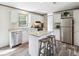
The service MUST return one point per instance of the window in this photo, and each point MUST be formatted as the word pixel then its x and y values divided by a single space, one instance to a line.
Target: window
pixel 23 20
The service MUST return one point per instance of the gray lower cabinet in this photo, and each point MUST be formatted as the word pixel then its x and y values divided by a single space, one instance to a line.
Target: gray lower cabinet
pixel 15 38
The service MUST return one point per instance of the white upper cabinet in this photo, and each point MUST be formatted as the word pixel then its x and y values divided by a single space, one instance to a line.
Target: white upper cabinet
pixel 14 16
pixel 57 17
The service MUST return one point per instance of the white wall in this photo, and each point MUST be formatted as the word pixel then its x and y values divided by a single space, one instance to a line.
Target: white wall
pixel 4 25
pixel 50 22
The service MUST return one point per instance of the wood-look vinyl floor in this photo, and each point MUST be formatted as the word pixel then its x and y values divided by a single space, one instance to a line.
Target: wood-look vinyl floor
pixel 21 50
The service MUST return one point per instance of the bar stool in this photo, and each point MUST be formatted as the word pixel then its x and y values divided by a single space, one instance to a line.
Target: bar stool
pixel 52 44
pixel 43 50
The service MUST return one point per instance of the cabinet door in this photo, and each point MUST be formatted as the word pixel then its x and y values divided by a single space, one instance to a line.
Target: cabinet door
pixel 25 36
pixel 76 26
pixel 14 16
pixel 17 38
pixel 57 34
pixel 76 20
pixel 57 17
pixel 19 35
pixel 76 38
pixel 13 39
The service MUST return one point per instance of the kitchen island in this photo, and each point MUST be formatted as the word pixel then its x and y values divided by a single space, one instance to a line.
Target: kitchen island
pixel 34 38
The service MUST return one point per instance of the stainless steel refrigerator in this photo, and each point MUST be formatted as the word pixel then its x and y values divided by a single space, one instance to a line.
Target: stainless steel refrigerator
pixel 66 30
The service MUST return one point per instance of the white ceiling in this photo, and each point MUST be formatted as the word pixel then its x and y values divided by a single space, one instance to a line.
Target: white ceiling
pixel 43 7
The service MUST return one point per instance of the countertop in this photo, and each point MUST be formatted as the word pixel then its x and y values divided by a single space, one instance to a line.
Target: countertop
pixel 14 30
pixel 40 33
